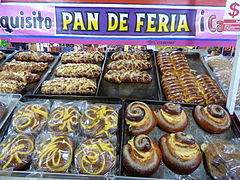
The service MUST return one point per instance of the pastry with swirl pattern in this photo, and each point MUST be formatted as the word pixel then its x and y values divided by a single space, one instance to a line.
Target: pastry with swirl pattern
pixel 99 121
pixel 180 152
pixel 54 154
pixel 30 118
pixel 141 156
pixel 95 157
pixel 16 151
pixel 140 119
pixel 171 117
pixel 64 119
pixel 212 118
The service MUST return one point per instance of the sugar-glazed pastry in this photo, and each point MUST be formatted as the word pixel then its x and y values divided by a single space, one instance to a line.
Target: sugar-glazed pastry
pixel 212 118
pixel 25 77
pixel 140 119
pixel 30 118
pixel 181 152
pixel 171 117
pixel 99 121
pixel 141 156
pixel 64 119
pixel 11 86
pixel 95 156
pixel 54 154
pixel 16 151
pixel 130 65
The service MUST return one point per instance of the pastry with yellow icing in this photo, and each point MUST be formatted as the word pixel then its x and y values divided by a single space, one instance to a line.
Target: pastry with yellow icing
pixel 141 156
pixel 180 152
pixel 99 121
pixel 171 117
pixel 64 119
pixel 54 154
pixel 212 118
pixel 95 157
pixel 16 152
pixel 30 118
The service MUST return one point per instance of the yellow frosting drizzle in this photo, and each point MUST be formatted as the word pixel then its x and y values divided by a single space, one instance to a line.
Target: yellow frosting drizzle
pixel 219 121
pixel 142 153
pixel 173 119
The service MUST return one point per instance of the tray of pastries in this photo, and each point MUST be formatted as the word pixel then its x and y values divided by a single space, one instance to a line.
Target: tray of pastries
pixel 184 78
pixel 130 74
pixel 163 139
pixel 63 137
pixel 74 77
pixel 22 72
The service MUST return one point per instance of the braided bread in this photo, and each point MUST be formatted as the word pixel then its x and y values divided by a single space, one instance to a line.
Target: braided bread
pixel 130 55
pixel 34 56
pixel 25 77
pixel 16 66
pixel 130 65
pixel 11 86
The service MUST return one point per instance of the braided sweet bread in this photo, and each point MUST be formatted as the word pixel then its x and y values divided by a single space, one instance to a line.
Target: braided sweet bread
pixel 11 86
pixel 129 65
pixel 34 56
pixel 212 118
pixel 95 157
pixel 140 118
pixel 141 156
pixel 130 55
pixel 16 151
pixel 180 152
pixel 25 77
pixel 2 55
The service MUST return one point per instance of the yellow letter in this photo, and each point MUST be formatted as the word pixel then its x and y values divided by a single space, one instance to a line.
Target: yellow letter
pixel 78 21
pixel 93 21
pixel 183 23
pixel 112 22
pixel 150 23
pixel 139 22
pixel 173 21
pixel 163 21
pixel 66 19
pixel 123 22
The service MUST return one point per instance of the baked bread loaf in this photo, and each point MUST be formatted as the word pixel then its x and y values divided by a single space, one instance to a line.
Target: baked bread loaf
pixel 83 57
pixel 223 160
pixel 130 76
pixel 210 90
pixel 78 70
pixel 54 154
pixel 30 118
pixel 99 121
pixel 140 119
pixel 64 119
pixel 180 152
pixel 130 65
pixel 171 117
pixel 141 156
pixel 95 156
pixel 2 55
pixel 17 66
pixel 16 152
pixel 219 63
pixel 212 118
pixel 3 110
pixel 130 55
pixel 25 77
pixel 11 86
pixel 34 56
pixel 69 86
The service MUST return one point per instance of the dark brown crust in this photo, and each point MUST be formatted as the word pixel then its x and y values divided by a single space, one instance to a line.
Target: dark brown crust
pixel 176 163
pixel 205 122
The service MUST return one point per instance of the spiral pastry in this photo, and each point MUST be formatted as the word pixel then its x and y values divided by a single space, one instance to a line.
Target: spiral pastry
pixel 212 118
pixel 64 119
pixel 99 121
pixel 171 117
pixel 180 152
pixel 95 156
pixel 16 152
pixel 54 154
pixel 141 156
pixel 140 118
pixel 30 118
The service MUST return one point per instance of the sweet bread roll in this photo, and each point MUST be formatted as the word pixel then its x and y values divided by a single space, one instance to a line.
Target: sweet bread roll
pixel 130 55
pixel 171 117
pixel 30 118
pixel 64 119
pixel 99 121
pixel 130 65
pixel 180 152
pixel 95 156
pixel 17 66
pixel 34 56
pixel 140 118
pixel 141 156
pixel 54 154
pixel 11 86
pixel 25 77
pixel 16 152
pixel 212 118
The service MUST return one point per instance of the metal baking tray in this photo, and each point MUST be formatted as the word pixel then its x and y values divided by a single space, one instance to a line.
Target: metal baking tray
pixel 30 87
pixel 131 90
pixel 28 173
pixel 9 53
pixel 51 76
pixel 195 63
pixel 193 128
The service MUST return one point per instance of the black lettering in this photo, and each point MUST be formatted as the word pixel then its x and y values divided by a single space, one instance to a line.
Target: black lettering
pixel 5 24
pixel 48 23
pixel 16 23
pixel 28 22
pixel 22 22
pixel 34 20
pixel 40 19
